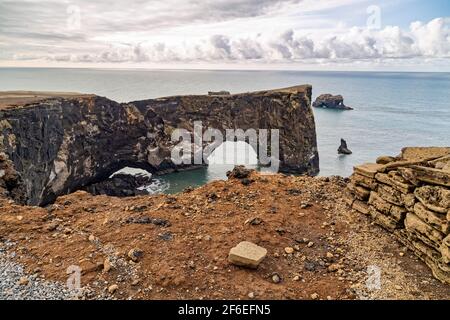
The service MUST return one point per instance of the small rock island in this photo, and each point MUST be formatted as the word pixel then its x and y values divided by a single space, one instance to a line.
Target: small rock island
pixel 329 101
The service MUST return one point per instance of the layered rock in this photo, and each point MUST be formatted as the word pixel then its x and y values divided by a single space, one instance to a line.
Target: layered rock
pixel 409 195
pixel 329 101
pixel 58 143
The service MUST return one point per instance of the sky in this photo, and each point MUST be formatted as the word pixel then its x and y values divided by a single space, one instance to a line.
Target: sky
pixel 410 35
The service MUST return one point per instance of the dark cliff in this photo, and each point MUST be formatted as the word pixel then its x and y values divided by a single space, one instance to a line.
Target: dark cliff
pixel 56 144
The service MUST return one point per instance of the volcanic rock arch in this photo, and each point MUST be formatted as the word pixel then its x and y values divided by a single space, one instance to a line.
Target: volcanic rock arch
pixel 54 144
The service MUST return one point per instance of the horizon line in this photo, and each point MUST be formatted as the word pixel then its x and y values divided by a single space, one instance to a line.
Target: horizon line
pixel 217 69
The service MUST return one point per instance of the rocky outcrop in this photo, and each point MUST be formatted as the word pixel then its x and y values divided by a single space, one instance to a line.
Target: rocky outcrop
pixel 329 101
pixel 343 149
pixel 59 144
pixel 409 195
pixel 219 93
pixel 121 185
pixel 10 182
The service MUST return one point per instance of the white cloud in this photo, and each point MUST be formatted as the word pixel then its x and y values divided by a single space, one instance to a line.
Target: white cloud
pixel 422 40
pixel 210 31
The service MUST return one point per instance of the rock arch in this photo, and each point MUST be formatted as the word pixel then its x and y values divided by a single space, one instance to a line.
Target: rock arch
pixel 58 144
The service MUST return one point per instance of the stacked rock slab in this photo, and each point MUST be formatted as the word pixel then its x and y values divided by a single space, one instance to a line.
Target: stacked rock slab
pixel 409 195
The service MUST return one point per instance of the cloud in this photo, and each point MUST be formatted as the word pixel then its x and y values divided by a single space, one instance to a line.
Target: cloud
pixel 20 16
pixel 422 40
pixel 212 31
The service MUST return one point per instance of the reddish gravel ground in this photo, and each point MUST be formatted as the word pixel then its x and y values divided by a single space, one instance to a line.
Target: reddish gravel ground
pixel 185 240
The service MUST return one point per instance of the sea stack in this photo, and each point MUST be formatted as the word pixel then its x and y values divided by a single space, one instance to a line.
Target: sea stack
pixel 343 149
pixel 329 101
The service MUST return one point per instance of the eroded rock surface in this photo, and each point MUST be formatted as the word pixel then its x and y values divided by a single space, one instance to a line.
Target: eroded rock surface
pixel 121 185
pixel 59 144
pixel 410 197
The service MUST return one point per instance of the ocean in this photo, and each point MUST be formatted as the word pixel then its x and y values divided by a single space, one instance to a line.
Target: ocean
pixel 391 110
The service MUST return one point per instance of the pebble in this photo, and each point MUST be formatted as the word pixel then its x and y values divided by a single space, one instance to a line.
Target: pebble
pixel 310 266
pixel 113 288
pixel 334 267
pixel 315 296
pixel 23 281
pixel 107 265
pixel 135 254
pixel 289 250
pixel 276 278
pixel 310 244
pixel 135 282
pixel 13 288
pixel 251 295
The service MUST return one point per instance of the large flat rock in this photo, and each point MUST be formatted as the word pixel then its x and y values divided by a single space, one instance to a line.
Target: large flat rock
pixel 247 254
pixel 423 153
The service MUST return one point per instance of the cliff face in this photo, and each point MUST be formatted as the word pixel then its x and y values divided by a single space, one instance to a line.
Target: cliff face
pixel 54 145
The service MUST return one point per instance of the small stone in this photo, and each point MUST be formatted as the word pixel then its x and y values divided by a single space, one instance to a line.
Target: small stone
pixel 310 244
pixel 20 218
pixel 289 250
pixel 92 238
pixel 276 278
pixel 296 278
pixel 401 254
pixel 135 254
pixel 310 266
pixel 329 255
pixel 107 265
pixel 315 296
pixel 135 282
pixel 253 221
pixel 23 281
pixel 247 254
pixel 113 288
pixel 334 267
pixel 397 287
pixel 251 295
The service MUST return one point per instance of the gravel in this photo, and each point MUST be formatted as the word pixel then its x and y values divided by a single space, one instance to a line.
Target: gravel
pixel 36 288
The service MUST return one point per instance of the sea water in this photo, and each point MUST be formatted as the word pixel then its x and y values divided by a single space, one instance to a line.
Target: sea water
pixel 391 110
